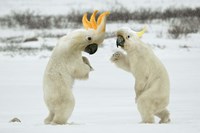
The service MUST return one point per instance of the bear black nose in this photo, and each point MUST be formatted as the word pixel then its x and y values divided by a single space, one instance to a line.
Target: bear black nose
pixel 91 48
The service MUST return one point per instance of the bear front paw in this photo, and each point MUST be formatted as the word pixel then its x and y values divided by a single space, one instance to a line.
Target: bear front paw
pixel 86 61
pixel 116 56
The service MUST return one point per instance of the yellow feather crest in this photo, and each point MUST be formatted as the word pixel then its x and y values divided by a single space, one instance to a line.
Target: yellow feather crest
pixel 140 33
pixel 93 24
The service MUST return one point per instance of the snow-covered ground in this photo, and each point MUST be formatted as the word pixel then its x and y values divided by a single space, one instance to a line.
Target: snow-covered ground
pixel 104 103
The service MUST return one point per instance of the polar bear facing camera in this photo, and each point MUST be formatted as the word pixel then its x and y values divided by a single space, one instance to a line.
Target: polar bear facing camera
pixel 152 85
pixel 67 64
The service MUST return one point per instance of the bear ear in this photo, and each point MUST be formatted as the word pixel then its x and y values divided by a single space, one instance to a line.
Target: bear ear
pixel 140 33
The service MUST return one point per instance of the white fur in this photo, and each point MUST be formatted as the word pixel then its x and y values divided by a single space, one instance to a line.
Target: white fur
pixel 151 78
pixel 65 65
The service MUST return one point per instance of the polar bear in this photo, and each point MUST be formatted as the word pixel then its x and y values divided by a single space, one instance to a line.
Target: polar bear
pixel 67 64
pixel 152 86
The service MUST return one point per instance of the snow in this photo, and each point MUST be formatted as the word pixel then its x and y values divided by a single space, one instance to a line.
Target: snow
pixel 105 102
pixel 66 6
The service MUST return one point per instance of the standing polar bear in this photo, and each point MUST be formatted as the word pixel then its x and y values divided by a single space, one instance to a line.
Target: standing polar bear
pixel 67 64
pixel 151 78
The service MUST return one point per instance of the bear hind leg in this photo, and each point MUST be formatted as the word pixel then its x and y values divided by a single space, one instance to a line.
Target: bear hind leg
pixel 63 113
pixel 59 118
pixel 164 116
pixel 49 118
pixel 147 118
pixel 145 112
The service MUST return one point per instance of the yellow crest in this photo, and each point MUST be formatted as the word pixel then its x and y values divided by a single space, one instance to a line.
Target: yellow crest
pixel 92 23
pixel 140 33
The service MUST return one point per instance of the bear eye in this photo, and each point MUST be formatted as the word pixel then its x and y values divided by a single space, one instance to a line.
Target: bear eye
pixel 128 36
pixel 89 38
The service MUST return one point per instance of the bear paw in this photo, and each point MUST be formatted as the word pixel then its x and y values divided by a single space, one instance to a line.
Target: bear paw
pixel 116 56
pixel 86 61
